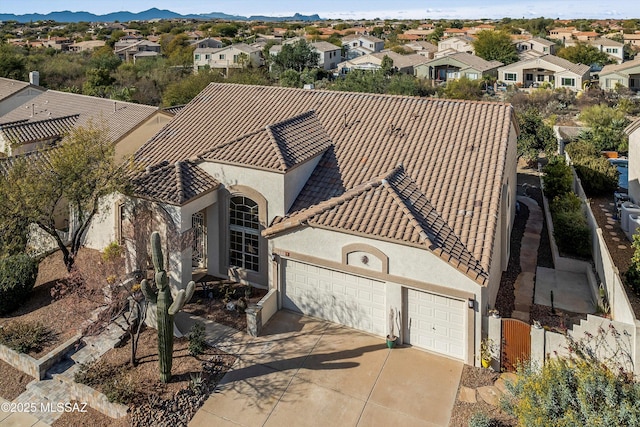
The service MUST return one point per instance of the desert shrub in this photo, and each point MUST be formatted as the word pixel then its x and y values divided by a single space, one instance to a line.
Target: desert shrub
pixel 197 343
pixel 592 387
pixel 570 228
pixel 113 381
pixel 597 174
pixel 480 419
pixel 558 179
pixel 25 337
pixel 632 275
pixel 18 274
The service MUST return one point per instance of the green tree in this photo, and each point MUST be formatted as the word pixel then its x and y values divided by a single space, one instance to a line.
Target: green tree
pixel 76 176
pixel 606 128
pixel 535 135
pixel 362 81
pixel 184 90
pixel 290 78
pixel 297 56
pixel 495 46
pixel 12 63
pixel 98 83
pixel 582 53
pixel 463 88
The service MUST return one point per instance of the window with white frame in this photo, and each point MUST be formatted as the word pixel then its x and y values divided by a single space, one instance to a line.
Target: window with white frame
pixel 567 81
pixel 221 56
pixel 197 56
pixel 510 77
pixel 244 233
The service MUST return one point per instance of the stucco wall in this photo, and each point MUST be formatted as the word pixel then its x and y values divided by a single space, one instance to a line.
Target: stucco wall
pixel 634 166
pixel 134 140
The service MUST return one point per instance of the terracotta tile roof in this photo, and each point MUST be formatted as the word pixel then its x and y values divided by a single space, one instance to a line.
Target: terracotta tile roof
pixel 389 207
pixel 24 131
pixel 6 163
pixel 455 151
pixel 119 117
pixel 280 146
pixel 173 183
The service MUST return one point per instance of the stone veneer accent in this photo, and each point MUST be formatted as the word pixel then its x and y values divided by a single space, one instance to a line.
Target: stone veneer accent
pixel 92 397
pixel 37 368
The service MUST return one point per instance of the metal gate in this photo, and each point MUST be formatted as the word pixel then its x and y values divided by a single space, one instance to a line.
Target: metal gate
pixel 516 343
pixel 198 247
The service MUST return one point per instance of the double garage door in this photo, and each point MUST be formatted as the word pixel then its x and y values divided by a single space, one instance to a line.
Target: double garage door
pixel 432 322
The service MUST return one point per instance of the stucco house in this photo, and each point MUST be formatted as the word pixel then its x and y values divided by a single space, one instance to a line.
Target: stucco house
pixel 343 205
pixel 535 44
pixel 614 49
pixel 404 64
pixel 551 69
pixel 452 45
pixel 329 55
pixel 626 75
pixel 456 66
pixel 355 45
pixel 129 50
pixel 234 56
pixel 423 48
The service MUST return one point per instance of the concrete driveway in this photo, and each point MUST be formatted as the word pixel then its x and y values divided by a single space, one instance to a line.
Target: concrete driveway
pixel 306 372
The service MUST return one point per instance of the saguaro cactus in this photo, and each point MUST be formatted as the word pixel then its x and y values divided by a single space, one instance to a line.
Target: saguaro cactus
pixel 166 306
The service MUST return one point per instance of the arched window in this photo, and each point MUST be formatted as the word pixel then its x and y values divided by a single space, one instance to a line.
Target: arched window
pixel 244 233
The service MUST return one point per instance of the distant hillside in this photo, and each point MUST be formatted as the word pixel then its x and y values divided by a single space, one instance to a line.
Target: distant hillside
pixel 154 13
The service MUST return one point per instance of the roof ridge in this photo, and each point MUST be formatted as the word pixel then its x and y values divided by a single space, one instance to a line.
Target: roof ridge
pixel 179 181
pixel 431 235
pixel 228 143
pixel 25 122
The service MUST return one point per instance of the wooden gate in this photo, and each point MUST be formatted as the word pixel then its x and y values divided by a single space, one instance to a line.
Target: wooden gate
pixel 516 343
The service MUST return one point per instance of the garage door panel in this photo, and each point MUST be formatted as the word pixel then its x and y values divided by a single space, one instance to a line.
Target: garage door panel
pixel 339 297
pixel 435 322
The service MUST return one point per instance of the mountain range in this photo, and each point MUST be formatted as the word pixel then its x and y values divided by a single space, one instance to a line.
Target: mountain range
pixel 154 13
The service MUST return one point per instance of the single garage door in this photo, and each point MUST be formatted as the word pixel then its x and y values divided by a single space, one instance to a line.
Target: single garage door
pixel 342 298
pixel 435 323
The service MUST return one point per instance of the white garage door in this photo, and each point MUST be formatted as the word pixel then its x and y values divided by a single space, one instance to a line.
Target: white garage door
pixel 435 323
pixel 342 298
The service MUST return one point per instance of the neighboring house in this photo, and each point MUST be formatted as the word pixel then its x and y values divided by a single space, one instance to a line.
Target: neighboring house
pixel 423 48
pixel 14 93
pixel 456 66
pixel 344 205
pixel 455 44
pixel 57 43
pixel 559 72
pixel 535 44
pixel 358 44
pixel 24 136
pixel 86 45
pixel 633 130
pixel 563 33
pixel 404 64
pixel 329 55
pixel 626 75
pixel 632 39
pixel 614 49
pixel 208 42
pixel 129 124
pixel 127 51
pixel 238 55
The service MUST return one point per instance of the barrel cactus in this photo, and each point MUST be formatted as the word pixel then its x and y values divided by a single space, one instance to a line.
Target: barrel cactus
pixel 167 306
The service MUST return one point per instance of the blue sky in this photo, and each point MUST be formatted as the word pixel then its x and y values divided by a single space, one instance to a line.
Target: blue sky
pixel 349 9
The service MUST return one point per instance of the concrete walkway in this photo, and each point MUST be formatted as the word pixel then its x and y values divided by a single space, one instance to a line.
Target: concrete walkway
pixel 525 282
pixel 571 291
pixel 306 372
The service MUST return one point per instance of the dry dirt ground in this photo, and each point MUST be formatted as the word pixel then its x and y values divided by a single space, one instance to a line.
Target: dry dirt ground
pixel 65 316
pixel 12 382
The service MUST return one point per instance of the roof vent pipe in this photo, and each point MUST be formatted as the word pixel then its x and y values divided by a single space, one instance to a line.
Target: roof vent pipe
pixel 115 106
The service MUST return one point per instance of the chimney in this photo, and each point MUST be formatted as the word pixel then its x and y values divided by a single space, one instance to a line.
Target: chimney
pixel 34 78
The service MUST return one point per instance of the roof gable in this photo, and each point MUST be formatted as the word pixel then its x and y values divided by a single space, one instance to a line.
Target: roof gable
pixel 279 146
pixel 372 209
pixel 174 184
